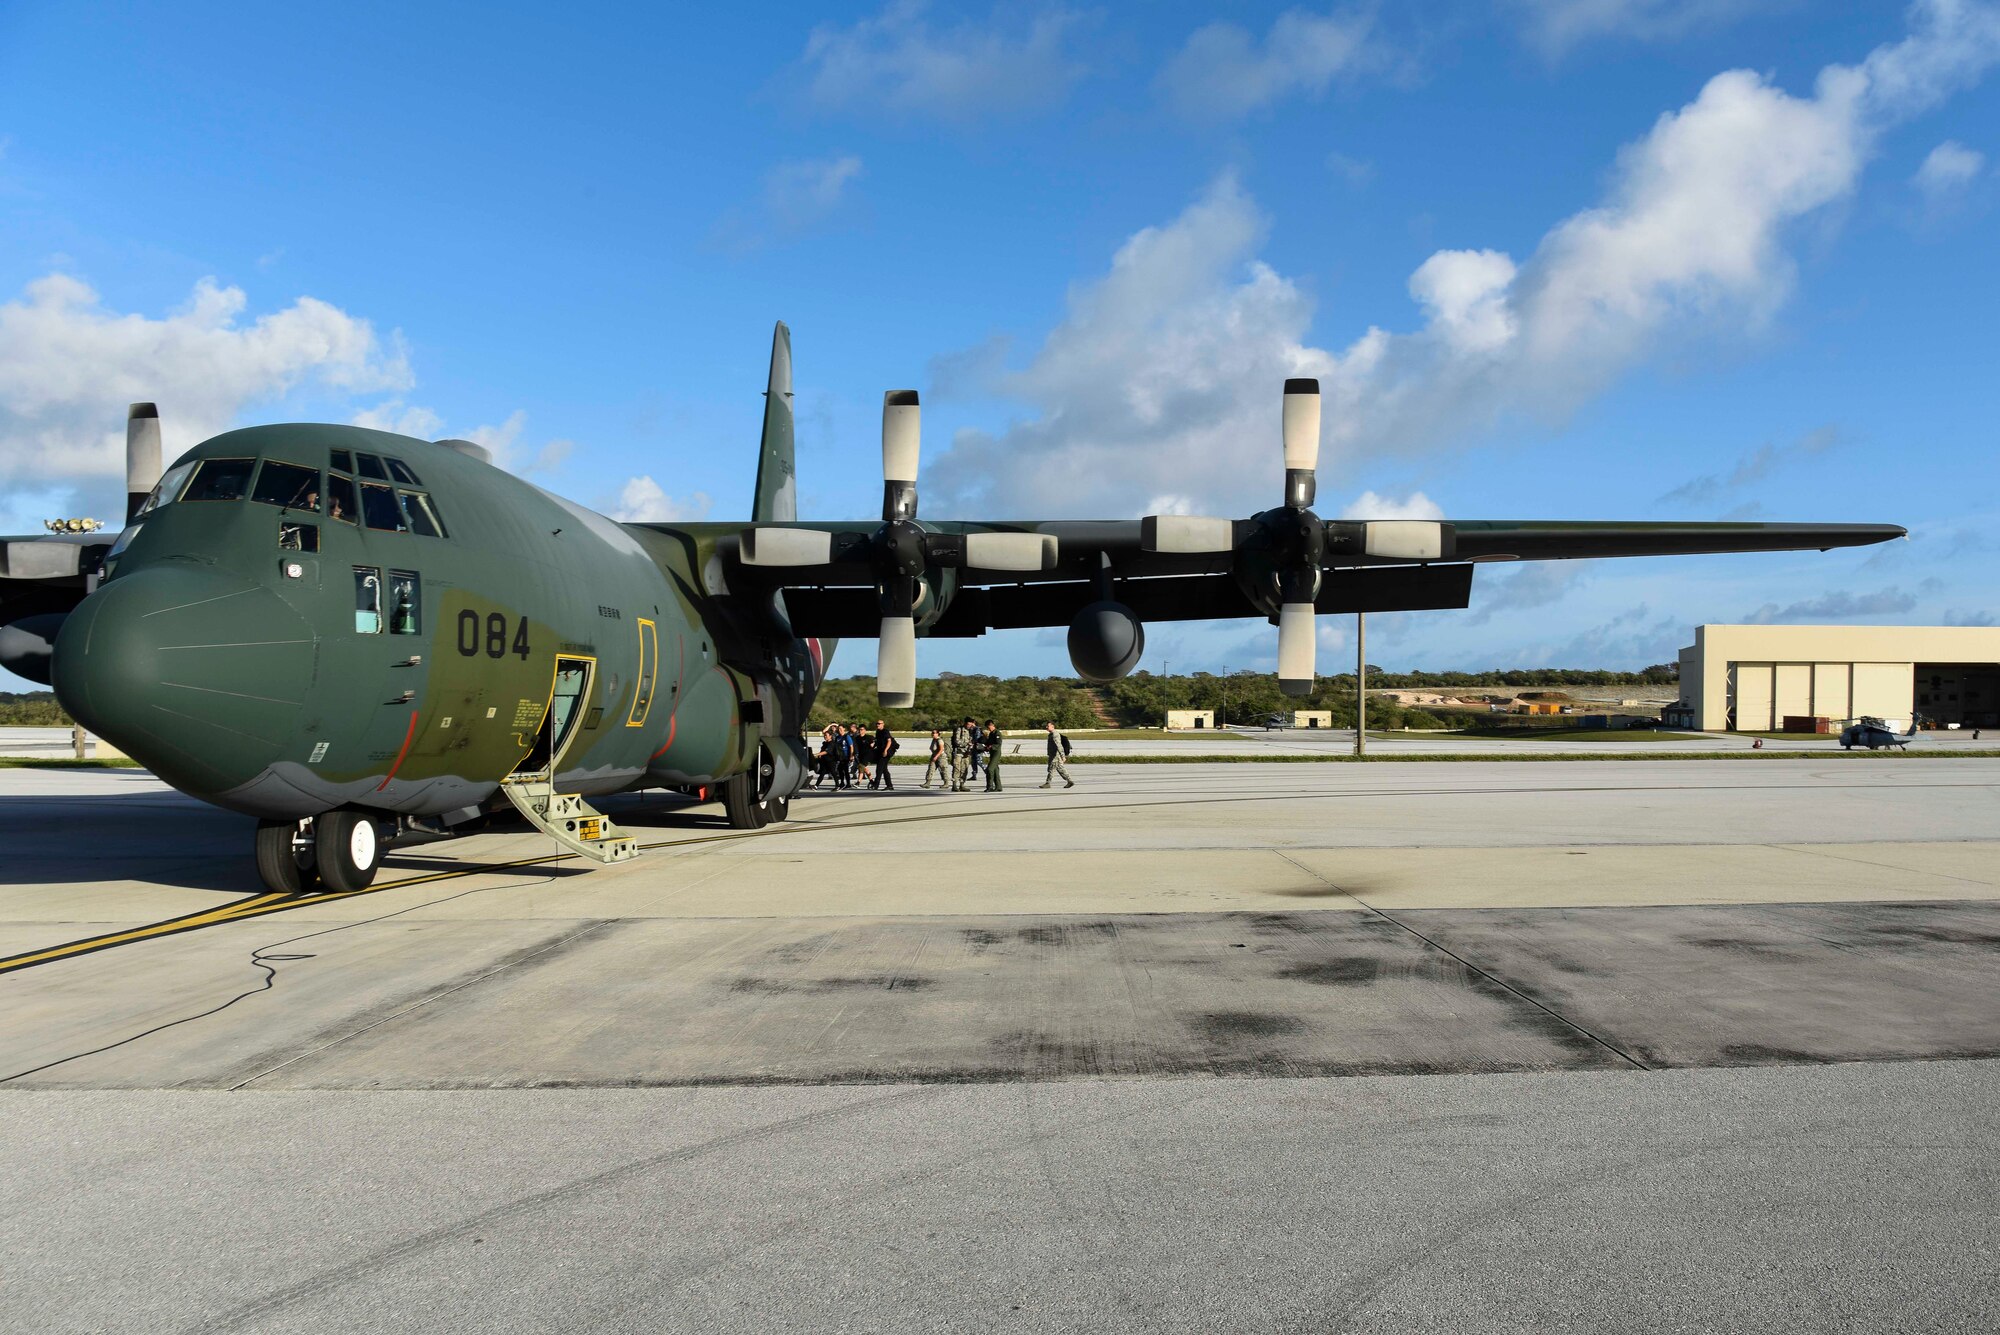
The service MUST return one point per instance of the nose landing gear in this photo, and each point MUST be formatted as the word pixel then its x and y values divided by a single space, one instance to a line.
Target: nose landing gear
pixel 339 851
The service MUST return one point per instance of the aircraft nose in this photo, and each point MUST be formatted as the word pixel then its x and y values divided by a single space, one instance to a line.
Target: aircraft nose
pixel 195 672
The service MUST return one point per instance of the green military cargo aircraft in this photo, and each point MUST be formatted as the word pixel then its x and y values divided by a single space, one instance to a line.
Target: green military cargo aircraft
pixel 341 631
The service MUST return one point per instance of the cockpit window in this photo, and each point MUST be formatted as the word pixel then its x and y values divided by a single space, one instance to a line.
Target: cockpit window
pixel 340 502
pixel 401 472
pixel 422 517
pixel 220 480
pixel 291 485
pixel 169 489
pixel 343 461
pixel 372 467
pixel 378 509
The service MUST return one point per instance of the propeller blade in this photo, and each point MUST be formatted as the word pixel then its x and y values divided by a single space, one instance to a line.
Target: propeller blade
pixel 785 547
pixel 1186 534
pixel 1296 635
pixel 1301 441
pixel 1010 551
pixel 900 448
pixel 896 663
pixel 142 456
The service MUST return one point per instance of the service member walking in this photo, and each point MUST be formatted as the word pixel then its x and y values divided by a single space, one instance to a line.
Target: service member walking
pixel 964 738
pixel 1058 757
pixel 886 746
pixel 990 742
pixel 940 764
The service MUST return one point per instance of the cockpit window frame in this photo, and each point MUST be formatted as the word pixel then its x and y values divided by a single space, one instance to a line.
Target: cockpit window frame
pixel 394 512
pixel 216 463
pixel 317 485
pixel 171 484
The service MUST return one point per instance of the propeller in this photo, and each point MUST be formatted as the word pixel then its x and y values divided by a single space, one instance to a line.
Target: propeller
pixel 1287 545
pixel 896 557
pixel 899 546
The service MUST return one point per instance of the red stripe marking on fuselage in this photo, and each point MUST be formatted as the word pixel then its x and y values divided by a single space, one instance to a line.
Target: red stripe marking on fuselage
pixel 674 714
pixel 408 737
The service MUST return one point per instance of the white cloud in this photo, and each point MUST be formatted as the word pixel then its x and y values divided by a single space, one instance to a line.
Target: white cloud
pixel 502 441
pixel 1710 488
pixel 1529 585
pixel 899 62
pixel 1368 505
pixel 1164 374
pixel 797 196
pixel 1947 170
pixel 1224 72
pixel 69 366
pixel 642 500
pixel 403 419
pixel 1464 295
pixel 1556 26
pixel 1837 606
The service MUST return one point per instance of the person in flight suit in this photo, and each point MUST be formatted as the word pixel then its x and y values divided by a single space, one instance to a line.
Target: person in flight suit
pixel 964 740
pixel 990 742
pixel 1058 758
pixel 939 763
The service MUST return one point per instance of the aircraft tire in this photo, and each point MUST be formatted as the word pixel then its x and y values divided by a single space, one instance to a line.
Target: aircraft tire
pixel 349 849
pixel 281 864
pixel 740 804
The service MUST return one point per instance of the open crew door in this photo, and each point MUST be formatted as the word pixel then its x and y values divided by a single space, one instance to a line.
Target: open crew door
pixel 567 693
pixel 564 817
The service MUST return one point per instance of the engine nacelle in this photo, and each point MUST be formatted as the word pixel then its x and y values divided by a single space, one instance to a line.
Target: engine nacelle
pixel 1106 641
pixel 28 645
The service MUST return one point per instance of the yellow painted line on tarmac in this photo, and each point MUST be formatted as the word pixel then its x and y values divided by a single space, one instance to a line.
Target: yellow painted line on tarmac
pixel 258 906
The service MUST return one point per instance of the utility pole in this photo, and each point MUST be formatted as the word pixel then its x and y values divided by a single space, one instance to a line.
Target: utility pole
pixel 1361 683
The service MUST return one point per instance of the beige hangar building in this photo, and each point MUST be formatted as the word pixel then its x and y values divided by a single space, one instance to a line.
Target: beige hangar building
pixel 1753 678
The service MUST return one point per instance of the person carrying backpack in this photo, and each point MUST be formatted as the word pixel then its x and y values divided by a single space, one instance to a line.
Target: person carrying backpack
pixel 940 763
pixel 1058 757
pixel 886 746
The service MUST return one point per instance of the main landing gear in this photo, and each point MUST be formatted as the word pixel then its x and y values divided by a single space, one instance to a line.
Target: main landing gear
pixel 339 851
pixel 746 797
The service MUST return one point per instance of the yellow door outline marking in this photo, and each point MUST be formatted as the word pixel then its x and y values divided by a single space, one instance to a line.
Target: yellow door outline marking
pixel 649 671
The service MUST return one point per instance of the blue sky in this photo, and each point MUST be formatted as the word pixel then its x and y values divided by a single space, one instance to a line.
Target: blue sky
pixel 1552 258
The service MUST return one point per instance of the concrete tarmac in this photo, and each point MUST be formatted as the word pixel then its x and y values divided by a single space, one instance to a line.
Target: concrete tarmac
pixel 1667 1045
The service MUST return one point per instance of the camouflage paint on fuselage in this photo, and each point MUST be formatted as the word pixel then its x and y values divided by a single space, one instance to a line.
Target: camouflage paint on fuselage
pixel 242 671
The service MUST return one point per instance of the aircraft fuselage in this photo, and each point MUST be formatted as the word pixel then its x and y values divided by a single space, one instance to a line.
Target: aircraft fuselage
pixel 317 617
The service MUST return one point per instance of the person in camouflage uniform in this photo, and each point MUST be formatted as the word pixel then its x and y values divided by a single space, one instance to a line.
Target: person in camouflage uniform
pixel 963 738
pixel 940 761
pixel 1058 758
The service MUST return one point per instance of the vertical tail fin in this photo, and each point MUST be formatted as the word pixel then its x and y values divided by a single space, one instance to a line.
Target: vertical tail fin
pixel 777 496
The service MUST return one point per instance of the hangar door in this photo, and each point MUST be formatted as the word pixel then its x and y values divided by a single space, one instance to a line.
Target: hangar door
pixel 1755 687
pixel 1791 692
pixel 1884 690
pixel 1830 691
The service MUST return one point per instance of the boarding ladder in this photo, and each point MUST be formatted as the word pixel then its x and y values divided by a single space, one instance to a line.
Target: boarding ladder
pixel 568 819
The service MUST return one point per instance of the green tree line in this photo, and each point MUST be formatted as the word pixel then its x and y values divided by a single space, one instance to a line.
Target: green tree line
pixel 1142 699
pixel 31 709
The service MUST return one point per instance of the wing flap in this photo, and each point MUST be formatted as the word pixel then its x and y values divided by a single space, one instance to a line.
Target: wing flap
pixel 1544 540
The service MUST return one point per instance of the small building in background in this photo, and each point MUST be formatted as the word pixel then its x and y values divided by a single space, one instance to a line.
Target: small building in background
pixel 1190 718
pixel 1767 678
pixel 1312 718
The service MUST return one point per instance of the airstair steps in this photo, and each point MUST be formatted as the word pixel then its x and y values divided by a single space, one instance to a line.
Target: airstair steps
pixel 568 819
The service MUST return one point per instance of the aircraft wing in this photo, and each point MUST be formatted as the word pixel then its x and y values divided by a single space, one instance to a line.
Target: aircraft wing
pixel 1038 573
pixel 896 579
pixel 43 576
